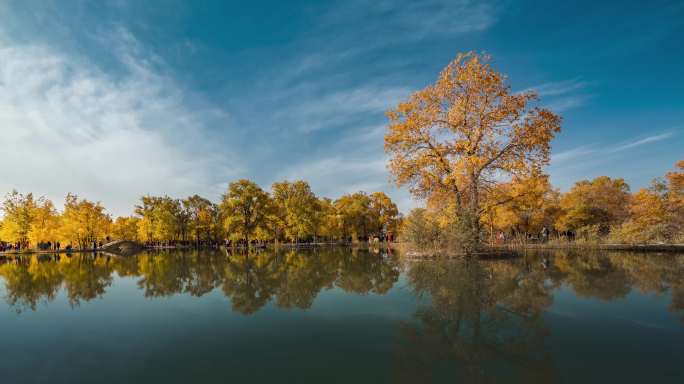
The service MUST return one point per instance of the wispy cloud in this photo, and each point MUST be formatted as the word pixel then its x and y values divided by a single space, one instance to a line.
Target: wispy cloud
pixel 563 104
pixel 572 154
pixel 563 95
pixel 415 20
pixel 68 126
pixel 591 152
pixel 340 108
pixel 642 141
pixel 336 175
pixel 557 88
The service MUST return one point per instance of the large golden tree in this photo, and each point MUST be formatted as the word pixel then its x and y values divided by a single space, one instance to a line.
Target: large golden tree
pixel 466 133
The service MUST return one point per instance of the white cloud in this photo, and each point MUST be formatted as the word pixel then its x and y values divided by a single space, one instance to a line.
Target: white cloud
pixel 563 104
pixel 339 108
pixel 587 152
pixel 558 88
pixel 578 163
pixel 66 125
pixel 643 141
pixel 571 154
pixel 560 96
pixel 399 21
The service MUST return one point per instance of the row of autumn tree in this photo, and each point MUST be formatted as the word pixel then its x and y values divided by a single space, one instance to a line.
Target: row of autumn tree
pixel 475 151
pixel 602 208
pixel 246 213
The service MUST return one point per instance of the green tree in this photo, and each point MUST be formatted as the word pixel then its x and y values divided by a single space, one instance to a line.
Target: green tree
pixel 201 216
pixel 354 214
pixel 246 209
pixel 162 219
pixel 296 208
pixel 329 224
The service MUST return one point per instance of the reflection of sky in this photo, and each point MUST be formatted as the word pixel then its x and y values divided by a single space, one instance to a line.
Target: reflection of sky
pixel 631 339
pixel 636 309
pixel 115 100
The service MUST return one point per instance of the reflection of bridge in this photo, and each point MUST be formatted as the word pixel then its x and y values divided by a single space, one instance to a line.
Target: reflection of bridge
pixel 122 247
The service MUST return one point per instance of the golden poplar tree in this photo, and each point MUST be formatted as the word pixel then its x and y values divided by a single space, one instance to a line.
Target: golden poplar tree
pixel 246 209
pixel 84 221
pixel 465 133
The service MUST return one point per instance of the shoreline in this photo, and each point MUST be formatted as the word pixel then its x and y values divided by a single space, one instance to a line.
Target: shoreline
pixel 497 251
pixel 505 251
pixel 184 247
pixel 599 247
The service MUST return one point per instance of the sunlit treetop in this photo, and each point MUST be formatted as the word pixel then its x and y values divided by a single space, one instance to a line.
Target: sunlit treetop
pixel 467 131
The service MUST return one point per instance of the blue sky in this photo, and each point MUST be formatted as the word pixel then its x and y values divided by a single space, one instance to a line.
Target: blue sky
pixel 113 100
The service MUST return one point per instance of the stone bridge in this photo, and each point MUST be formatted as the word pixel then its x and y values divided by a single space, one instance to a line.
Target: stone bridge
pixel 122 247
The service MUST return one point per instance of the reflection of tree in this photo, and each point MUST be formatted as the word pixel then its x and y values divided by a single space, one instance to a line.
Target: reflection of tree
pixel 180 272
pixel 294 279
pixel 593 276
pixel 30 281
pixel 483 321
pixel 655 274
pixel 364 272
pixel 677 304
pixel 85 277
pixel 250 280
pixel 304 275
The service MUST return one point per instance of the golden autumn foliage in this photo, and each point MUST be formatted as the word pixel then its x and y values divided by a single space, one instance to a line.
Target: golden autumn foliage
pixel 296 209
pixel 656 214
pixel 465 133
pixel 246 213
pixel 246 208
pixel 84 221
pixel 125 228
pixel 601 202
pixel 601 209
pixel 384 213
pixel 675 185
pixel 46 223
pixel 19 213
pixel 525 205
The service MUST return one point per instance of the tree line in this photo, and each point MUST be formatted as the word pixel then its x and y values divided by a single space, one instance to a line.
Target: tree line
pixel 475 152
pixel 246 214
pixel 601 209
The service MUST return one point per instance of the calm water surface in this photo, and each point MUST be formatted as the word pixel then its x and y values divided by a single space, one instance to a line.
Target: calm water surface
pixel 342 316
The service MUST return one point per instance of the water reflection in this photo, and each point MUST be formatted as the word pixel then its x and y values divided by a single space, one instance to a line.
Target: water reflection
pixel 475 321
pixel 460 291
pixel 483 319
pixel 292 279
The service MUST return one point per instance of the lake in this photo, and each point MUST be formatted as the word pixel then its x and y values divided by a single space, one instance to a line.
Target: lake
pixel 340 315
